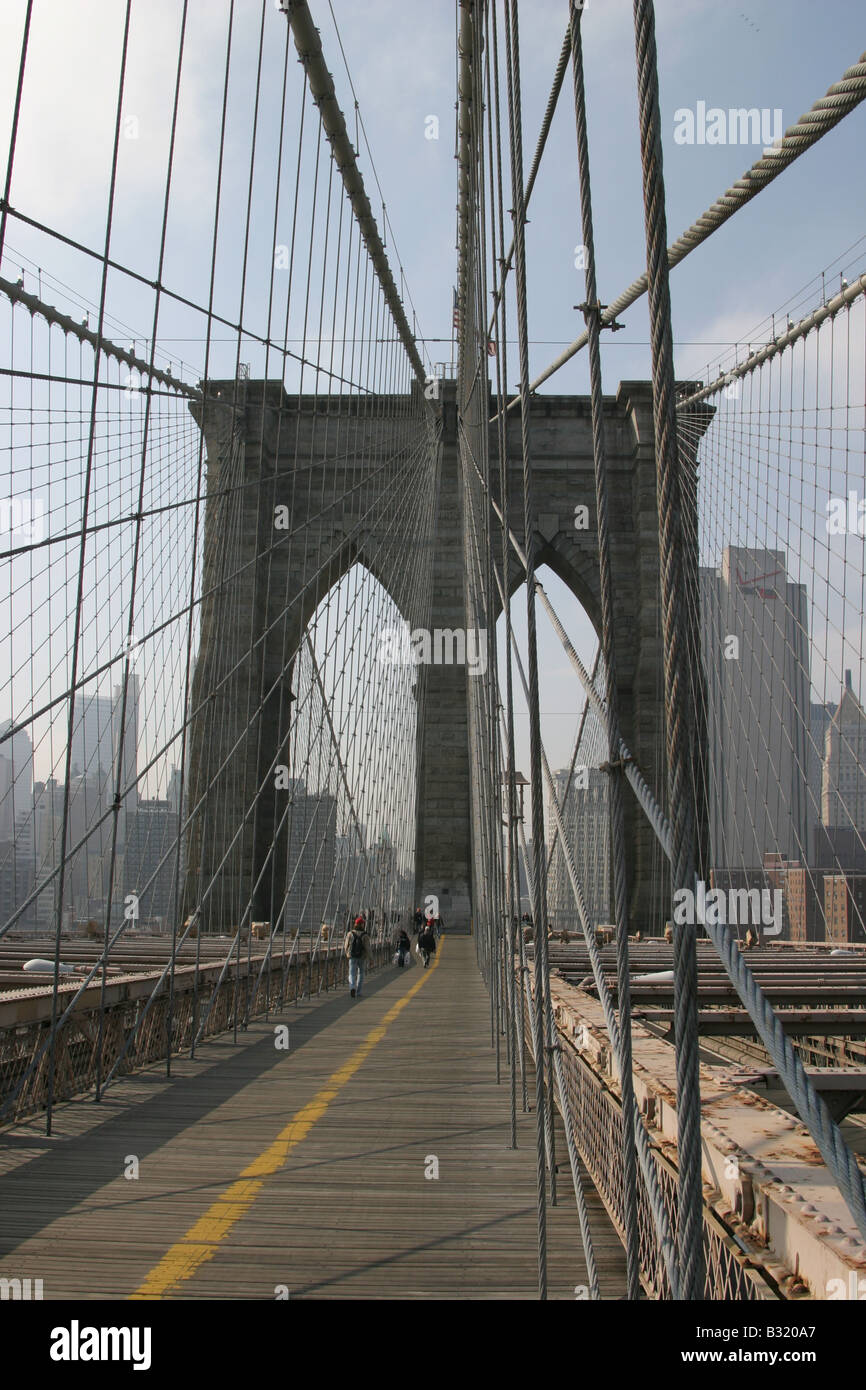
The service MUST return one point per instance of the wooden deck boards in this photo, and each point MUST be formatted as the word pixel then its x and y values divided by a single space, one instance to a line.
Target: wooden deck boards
pixel 350 1214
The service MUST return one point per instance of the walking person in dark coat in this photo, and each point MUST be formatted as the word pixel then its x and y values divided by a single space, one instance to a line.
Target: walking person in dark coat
pixel 426 943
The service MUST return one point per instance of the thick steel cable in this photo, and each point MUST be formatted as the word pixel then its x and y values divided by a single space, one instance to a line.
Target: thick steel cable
pixel 49 312
pixel 541 1055
pixel 229 547
pixel 808 1102
pixel 676 659
pixel 840 99
pixel 539 901
pixel 506 258
pixel 569 1126
pixel 481 612
pixel 500 321
pixel 592 313
pixel 787 339
pixel 301 765
pixel 16 294
pixel 648 1170
pixel 263 418
pixel 493 534
pixel 309 46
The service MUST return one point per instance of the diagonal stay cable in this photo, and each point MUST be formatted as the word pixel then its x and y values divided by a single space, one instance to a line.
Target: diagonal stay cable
pixel 554 1046
pixel 809 1104
pixel 341 767
pixel 673 563
pixel 309 46
pixel 506 260
pixel 614 768
pixel 648 1171
pixel 839 100
pixel 770 350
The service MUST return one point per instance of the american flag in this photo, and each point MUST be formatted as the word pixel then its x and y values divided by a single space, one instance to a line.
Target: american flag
pixel 455 316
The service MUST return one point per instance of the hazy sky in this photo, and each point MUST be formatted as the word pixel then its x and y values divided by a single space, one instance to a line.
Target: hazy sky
pixel 401 54
pixel 770 54
pixel 775 54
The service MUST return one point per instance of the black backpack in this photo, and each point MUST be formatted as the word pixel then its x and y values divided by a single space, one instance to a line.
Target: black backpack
pixel 356 950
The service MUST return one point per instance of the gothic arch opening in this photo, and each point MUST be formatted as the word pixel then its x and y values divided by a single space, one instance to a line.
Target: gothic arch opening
pixel 349 818
pixel 572 739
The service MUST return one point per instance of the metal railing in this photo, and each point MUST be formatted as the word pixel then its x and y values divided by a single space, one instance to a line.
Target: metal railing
pixel 130 1041
pixel 596 1114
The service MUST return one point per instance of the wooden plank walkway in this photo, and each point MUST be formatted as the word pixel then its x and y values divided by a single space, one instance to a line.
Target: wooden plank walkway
pixel 301 1173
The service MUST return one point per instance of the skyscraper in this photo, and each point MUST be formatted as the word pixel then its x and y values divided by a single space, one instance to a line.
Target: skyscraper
pixel 150 860
pixel 93 738
pixel 16 778
pixel 585 821
pixel 843 785
pixel 312 891
pixel 17 859
pixel 754 637
pixel 820 716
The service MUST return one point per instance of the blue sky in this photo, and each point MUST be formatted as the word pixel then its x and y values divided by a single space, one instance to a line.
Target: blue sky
pixel 402 61
pixel 401 54
pixel 768 54
pixel 401 57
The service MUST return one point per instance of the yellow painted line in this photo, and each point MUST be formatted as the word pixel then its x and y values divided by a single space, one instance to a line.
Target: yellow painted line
pixel 201 1241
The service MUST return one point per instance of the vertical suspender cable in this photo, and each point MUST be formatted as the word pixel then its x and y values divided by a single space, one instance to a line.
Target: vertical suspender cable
pixel 539 897
pixel 592 313
pixel 82 559
pixel 119 789
pixel 676 675
pixel 516 1027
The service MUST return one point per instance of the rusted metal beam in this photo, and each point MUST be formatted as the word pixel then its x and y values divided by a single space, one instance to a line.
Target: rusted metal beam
pixel 763 1176
pixel 796 1022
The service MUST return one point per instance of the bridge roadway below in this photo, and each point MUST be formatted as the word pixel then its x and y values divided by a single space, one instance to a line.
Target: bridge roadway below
pixel 268 1173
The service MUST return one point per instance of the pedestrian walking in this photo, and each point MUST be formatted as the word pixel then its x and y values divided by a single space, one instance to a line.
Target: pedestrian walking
pixel 358 952
pixel 404 946
pixel 426 943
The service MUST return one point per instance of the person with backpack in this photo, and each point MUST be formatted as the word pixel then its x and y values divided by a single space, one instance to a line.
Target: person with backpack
pixel 404 946
pixel 358 952
pixel 426 942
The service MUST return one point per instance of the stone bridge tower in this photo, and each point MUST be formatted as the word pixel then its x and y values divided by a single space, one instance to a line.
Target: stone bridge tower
pixel 253 439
